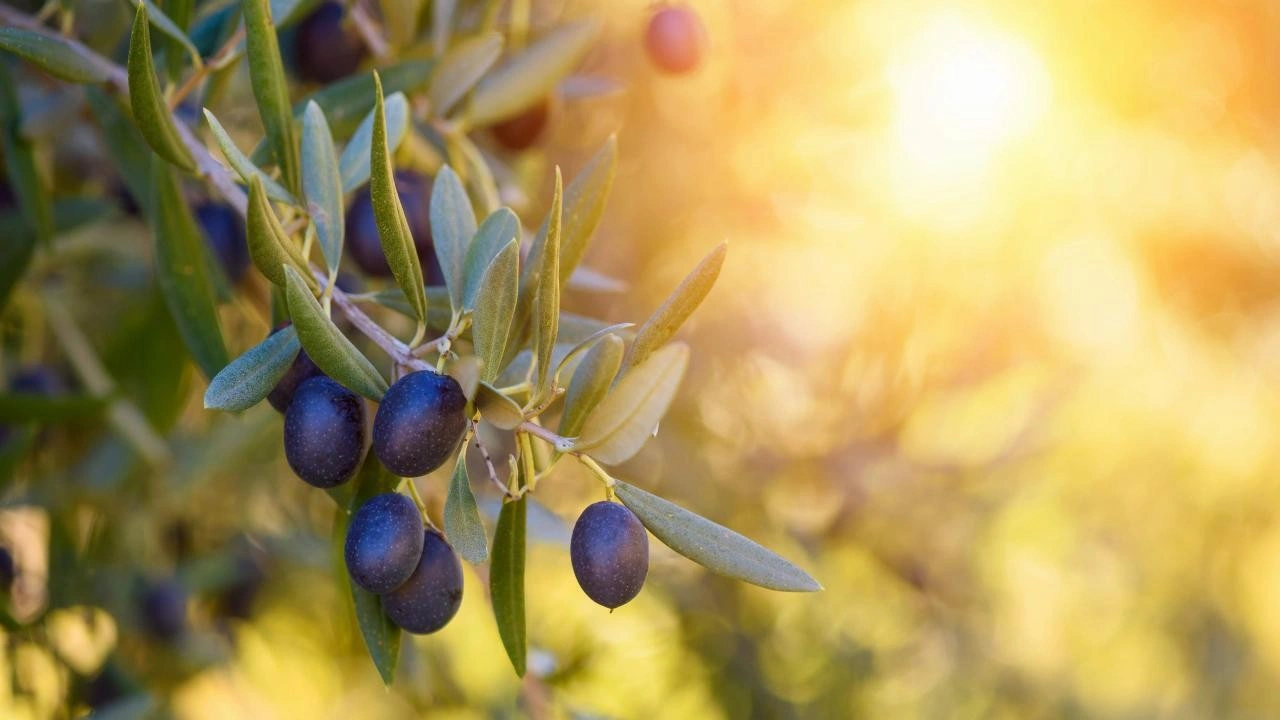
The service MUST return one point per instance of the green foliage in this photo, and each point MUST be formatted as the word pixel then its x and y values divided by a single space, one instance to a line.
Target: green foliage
pixel 247 380
pixel 462 518
pixel 154 119
pixel 53 55
pixel 388 212
pixel 506 581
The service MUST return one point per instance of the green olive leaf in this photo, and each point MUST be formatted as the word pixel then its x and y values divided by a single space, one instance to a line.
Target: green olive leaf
pixel 179 12
pixel 243 167
pixel 495 233
pixel 453 224
pixel 24 176
pixel 325 344
pixel 461 68
pixel 712 546
pixel 243 383
pixel 462 522
pixel 506 581
pixel 381 635
pixel 626 418
pixel 438 314
pixel 590 383
pixel 322 185
pixel 480 183
pixel 497 409
pixel 51 54
pixel 149 109
pixel 566 361
pixel 584 200
pixel 400 20
pixel 182 273
pixel 677 308
pixel 288 12
pixel 168 28
pixel 530 75
pixel 271 89
pixel 491 321
pixel 269 246
pixel 547 298
pixel 354 163
pixel 388 215
pixel 125 144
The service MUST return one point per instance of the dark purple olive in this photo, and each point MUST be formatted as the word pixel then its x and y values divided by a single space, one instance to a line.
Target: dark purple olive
pixel 384 542
pixel 301 370
pixel 419 423
pixel 224 231
pixel 610 553
pixel 429 599
pixel 363 243
pixel 164 610
pixel 325 47
pixel 324 432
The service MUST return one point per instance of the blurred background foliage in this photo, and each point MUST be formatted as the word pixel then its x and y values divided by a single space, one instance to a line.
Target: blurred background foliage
pixel 992 356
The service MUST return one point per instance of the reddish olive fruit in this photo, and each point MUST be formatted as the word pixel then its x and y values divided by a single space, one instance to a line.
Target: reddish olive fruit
pixel 326 49
pixel 419 423
pixel 384 543
pixel 324 432
pixel 522 131
pixel 429 599
pixel 610 553
pixel 363 243
pixel 674 39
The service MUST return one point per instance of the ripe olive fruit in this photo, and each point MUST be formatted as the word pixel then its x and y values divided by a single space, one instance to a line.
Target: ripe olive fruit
pixel 163 608
pixel 384 542
pixel 326 49
pixel 610 553
pixel 522 131
pixel 224 231
pixel 324 432
pixel 301 370
pixel 419 423
pixel 429 599
pixel 363 244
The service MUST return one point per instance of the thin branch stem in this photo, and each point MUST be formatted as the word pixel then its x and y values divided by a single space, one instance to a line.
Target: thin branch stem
pixel 560 442
pixel 417 500
pixel 488 461
pixel 595 468
pixel 199 74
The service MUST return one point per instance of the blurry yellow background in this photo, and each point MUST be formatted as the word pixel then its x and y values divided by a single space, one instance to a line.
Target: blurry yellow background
pixel 994 356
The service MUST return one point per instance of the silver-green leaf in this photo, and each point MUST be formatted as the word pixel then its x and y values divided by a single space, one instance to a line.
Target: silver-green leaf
pixel 677 308
pixel 243 166
pixel 149 109
pixel 325 344
pixel 626 418
pixel 497 409
pixel 51 54
pixel 322 185
pixel 271 88
pixel 491 321
pixel 495 233
pixel 462 523
pixel 461 68
pixel 453 224
pixel 530 75
pixel 354 163
pixel 547 297
pixel 590 383
pixel 250 377
pixel 169 29
pixel 388 214
pixel 270 247
pixel 712 546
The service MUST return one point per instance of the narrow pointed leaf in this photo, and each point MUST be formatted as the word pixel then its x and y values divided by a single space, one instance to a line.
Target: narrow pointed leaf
pixel 124 142
pixel 491 321
pixel 462 523
pixel 381 636
pixel 51 54
pixel 590 383
pixel 712 546
pixel 354 163
pixel 243 383
pixel 677 308
pixel 182 273
pixel 325 344
pixel 566 362
pixel 497 409
pixel 547 299
pixel 169 29
pixel 179 13
pixel 24 177
pixel 149 109
pixel 322 185
pixel 269 246
pixel 243 167
pixel 625 419
pixel 506 581
pixel 495 233
pixel 461 68
pixel 389 217
pixel 453 224
pixel 271 89
pixel 481 186
pixel 532 74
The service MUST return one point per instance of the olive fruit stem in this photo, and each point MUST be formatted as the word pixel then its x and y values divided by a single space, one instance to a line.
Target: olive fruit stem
pixel 488 461
pixel 528 469
pixel 600 472
pixel 417 500
pixel 560 442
